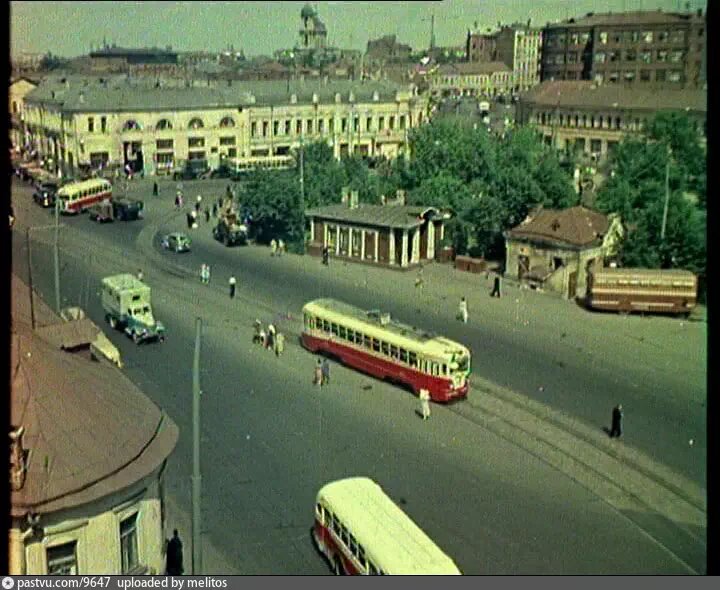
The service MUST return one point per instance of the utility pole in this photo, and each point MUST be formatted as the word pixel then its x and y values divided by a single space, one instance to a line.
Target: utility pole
pixel 196 477
pixel 667 195
pixel 302 175
pixel 57 255
pixel 30 282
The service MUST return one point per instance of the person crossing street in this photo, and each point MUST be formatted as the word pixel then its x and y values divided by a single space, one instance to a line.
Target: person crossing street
pixel 232 282
pixel 463 311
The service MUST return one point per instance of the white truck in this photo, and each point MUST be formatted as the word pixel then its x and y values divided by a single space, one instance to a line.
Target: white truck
pixel 126 301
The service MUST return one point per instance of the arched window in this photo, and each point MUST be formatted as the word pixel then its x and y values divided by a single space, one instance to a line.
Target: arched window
pixel 196 123
pixel 226 122
pixel 132 125
pixel 163 124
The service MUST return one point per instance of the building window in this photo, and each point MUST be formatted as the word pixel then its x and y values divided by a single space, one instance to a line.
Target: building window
pixel 595 146
pixel 129 544
pixel 276 128
pixel 645 75
pixel 227 140
pixel 676 56
pixel 164 144
pixel 356 124
pixel 232 153
pixel 603 37
pixel 163 124
pixel 199 155
pixel 600 57
pixel 309 126
pixel 343 125
pixel 131 126
pixel 265 128
pixel 196 123
pixel 663 36
pixel 103 124
pixel 617 37
pixel 647 36
pixel 572 57
pixel 62 560
pixel 646 56
pixel 584 37
pixel 662 55
pixel 321 126
pixel 402 121
pixel 253 129
pixel 298 127
pixel 196 142
pixel 559 59
pixel 614 55
pixel 678 37
pixel 227 122
pixel 674 76
pixel 381 123
pixel 660 75
pixel 91 124
pixel 629 76
pixel 331 125
pixel 630 55
pixel 287 126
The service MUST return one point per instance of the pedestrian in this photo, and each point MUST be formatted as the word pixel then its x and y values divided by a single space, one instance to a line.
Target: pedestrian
pixel 174 556
pixel 279 344
pixel 496 287
pixel 228 192
pixel 281 247
pixel 181 199
pixel 189 220
pixel 271 332
pixel 325 372
pixel 202 273
pixel 258 329
pixel 617 416
pixel 425 403
pixel 326 256
pixel 177 201
pixel 198 201
pixel 419 282
pixel 232 283
pixel 155 189
pixel 463 311
pixel 140 274
pixel 273 247
pixel 207 215
pixel 193 219
pixel 263 337
pixel 215 210
pixel 318 375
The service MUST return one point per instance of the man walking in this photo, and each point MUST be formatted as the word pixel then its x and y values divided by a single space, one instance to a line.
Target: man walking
pixel 174 556
pixel 280 247
pixel 325 372
pixel 425 403
pixel 617 416
pixel 207 214
pixel 463 311
pixel 496 287
pixel 279 344
pixel 270 344
pixel 198 201
pixel 232 283
pixel 273 247
pixel 326 256
pixel 318 375
pixel 155 189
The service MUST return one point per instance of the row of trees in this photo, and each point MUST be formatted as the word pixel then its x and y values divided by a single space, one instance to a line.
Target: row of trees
pixel 491 183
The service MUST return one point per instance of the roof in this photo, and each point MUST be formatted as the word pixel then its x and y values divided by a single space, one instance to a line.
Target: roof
pixel 127 51
pixel 390 538
pixel 89 431
pixel 470 68
pixel 84 184
pixel 576 226
pixel 567 93
pixel 70 334
pixel 120 94
pixel 406 336
pixel 395 216
pixel 123 282
pixel 638 17
pixel 644 273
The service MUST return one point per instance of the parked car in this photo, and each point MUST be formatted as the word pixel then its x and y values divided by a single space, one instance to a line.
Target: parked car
pixel 223 171
pixel 176 242
pixel 44 195
pixel 192 170
pixel 102 212
pixel 128 209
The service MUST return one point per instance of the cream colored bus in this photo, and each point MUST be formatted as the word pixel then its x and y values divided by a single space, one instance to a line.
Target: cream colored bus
pixel 361 531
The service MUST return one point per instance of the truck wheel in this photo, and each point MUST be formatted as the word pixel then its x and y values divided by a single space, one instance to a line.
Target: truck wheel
pixel 113 322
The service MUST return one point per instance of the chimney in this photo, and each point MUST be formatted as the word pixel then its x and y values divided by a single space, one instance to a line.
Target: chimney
pixel 354 200
pixel 345 198
pixel 18 469
pixel 400 196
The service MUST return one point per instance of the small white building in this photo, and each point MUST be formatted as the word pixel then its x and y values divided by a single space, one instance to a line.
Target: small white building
pixel 88 451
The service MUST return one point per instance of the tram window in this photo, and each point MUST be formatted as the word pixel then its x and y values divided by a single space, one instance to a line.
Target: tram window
pixel 353 545
pixel 368 342
pixel 412 357
pixel 385 349
pixel 320 511
pixel 435 368
pixel 334 328
pixel 444 370
pixel 361 556
pixel 336 525
pixel 403 355
pixel 326 326
pixel 308 321
pixel 342 332
pixel 394 351
pixel 376 345
pixel 372 570
pixel 344 536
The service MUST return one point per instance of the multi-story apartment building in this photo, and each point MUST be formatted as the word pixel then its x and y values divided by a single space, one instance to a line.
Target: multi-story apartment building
pixel 593 118
pixel 519 47
pixel 642 48
pixel 480 47
pixel 83 122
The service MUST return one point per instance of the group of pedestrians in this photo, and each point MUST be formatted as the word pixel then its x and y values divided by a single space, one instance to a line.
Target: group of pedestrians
pixel 277 247
pixel 269 339
pixel 322 373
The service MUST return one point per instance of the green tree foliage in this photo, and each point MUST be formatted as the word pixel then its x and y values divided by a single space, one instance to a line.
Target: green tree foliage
pixel 637 192
pixel 273 197
pixel 323 175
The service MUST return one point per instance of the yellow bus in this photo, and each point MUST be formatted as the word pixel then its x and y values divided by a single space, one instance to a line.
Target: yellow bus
pixel 79 196
pixel 361 531
pixel 374 343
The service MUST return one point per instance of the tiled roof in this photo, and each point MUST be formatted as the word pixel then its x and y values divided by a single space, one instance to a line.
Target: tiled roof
pixel 639 17
pixel 138 95
pixel 567 93
pixel 396 216
pixel 89 430
pixel 465 68
pixel 576 226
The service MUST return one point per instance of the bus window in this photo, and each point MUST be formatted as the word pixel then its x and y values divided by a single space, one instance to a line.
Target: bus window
pixel 334 329
pixel 342 332
pixel 394 352
pixel 385 348
pixel 376 345
pixel 403 355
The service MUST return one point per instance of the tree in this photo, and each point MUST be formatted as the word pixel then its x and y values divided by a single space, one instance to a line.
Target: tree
pixel 273 198
pixel 323 175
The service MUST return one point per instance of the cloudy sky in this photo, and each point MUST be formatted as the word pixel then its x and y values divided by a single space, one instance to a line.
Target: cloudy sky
pixel 71 28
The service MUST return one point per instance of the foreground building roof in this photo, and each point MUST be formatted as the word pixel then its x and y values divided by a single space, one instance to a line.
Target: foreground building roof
pixel 621 19
pixel 576 226
pixel 393 216
pixel 88 430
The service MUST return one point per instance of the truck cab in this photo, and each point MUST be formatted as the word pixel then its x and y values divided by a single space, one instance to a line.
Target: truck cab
pixel 230 231
pixel 128 209
pixel 126 302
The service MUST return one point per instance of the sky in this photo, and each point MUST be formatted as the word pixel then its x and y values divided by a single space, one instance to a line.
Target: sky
pixel 71 28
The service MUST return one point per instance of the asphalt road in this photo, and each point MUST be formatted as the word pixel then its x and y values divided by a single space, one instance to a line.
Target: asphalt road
pixel 270 438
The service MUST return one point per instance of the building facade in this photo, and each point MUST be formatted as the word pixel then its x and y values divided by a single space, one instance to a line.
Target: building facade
pixel 77 123
pixel 394 234
pixel 554 249
pixel 488 79
pixel 313 34
pixel 519 47
pixel 19 89
pixel 119 59
pixel 594 118
pixel 651 48
pixel 88 452
pixel 480 47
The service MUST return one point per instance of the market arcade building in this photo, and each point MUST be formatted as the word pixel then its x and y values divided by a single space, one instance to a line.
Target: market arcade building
pixel 393 234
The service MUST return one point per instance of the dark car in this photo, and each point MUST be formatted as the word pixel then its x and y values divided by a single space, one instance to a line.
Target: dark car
pixel 176 242
pixel 102 212
pixel 192 170
pixel 128 209
pixel 44 195
pixel 222 172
